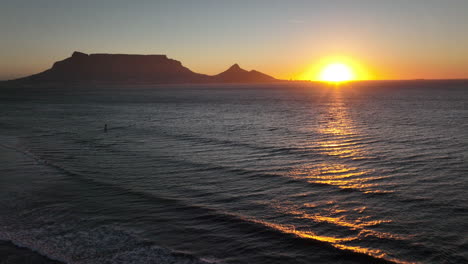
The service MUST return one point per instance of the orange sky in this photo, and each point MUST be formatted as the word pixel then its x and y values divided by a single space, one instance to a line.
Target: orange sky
pixel 287 39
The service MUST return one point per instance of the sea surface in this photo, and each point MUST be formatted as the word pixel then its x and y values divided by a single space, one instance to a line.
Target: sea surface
pixel 370 172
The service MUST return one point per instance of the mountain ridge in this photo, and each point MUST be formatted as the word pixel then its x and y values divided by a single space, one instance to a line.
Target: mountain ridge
pixel 134 68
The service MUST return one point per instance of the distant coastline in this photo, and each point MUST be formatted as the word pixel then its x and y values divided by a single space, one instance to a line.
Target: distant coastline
pixel 127 69
pixel 135 69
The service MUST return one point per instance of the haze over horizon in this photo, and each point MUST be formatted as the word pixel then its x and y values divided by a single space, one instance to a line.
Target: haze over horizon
pixel 425 39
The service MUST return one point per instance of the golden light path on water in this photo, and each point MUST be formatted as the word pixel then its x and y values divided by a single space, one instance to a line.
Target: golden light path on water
pixel 336 242
pixel 341 140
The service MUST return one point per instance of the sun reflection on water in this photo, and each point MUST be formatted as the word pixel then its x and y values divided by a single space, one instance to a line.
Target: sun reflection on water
pixel 339 138
pixel 337 242
pixel 339 175
pixel 340 218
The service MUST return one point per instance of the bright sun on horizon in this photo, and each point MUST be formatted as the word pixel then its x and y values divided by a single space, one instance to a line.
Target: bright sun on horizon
pixel 337 72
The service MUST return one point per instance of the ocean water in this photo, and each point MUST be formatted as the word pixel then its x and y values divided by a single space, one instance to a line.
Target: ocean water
pixel 372 172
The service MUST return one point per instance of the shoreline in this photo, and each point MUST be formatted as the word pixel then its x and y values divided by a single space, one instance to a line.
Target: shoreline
pixel 11 253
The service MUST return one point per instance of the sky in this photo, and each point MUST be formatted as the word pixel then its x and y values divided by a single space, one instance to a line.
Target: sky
pixel 290 39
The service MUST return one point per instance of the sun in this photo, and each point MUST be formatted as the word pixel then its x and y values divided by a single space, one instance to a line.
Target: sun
pixel 337 72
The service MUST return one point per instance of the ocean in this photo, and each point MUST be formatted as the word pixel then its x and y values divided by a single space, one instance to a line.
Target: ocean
pixel 364 172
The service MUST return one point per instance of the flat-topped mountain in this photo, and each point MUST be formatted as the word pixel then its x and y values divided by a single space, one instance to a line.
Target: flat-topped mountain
pixel 128 69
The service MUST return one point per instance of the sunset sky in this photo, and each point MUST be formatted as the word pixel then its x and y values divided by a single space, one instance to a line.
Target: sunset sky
pixel 396 39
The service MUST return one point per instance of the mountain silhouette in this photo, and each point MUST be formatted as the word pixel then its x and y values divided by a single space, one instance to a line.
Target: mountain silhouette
pixel 236 74
pixel 128 69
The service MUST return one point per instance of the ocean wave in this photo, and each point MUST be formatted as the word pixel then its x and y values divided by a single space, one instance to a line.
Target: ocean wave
pixel 103 244
pixel 70 243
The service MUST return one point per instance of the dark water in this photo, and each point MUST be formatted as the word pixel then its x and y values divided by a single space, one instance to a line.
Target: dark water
pixel 366 173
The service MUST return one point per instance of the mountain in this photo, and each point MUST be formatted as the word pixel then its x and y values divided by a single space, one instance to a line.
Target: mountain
pixel 140 69
pixel 236 74
pixel 117 68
